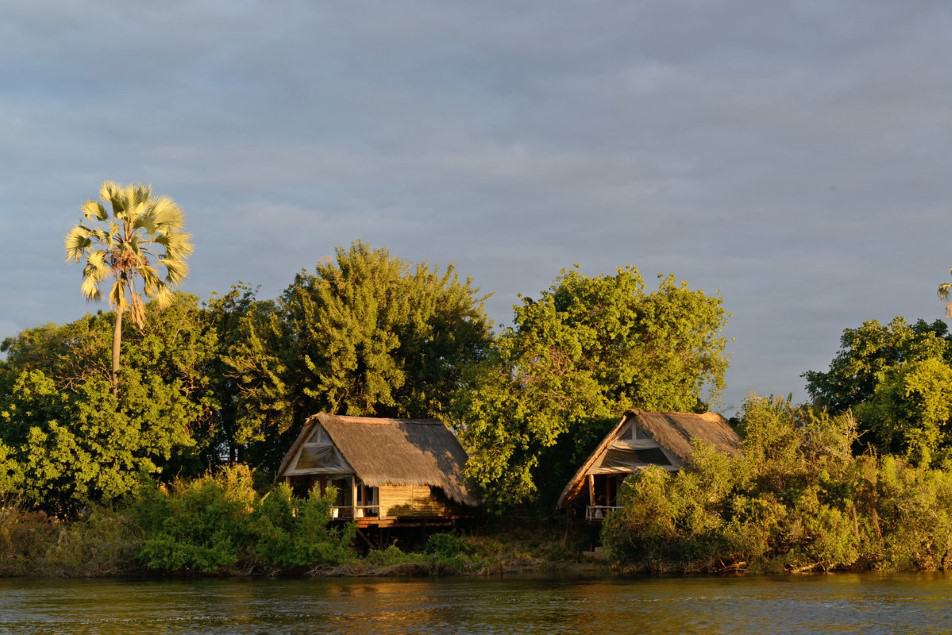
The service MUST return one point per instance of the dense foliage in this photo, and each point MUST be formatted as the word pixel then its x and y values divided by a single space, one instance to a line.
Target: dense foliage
pixel 230 381
pixel 218 523
pixel 162 468
pixel 68 439
pixel 794 499
pixel 210 525
pixel 897 380
pixel 364 334
pixel 588 349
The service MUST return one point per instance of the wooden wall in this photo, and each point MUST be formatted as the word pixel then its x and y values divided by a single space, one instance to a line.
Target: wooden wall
pixel 410 500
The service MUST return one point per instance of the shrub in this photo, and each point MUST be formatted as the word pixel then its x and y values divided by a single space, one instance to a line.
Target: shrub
pixel 290 532
pixel 200 526
pixel 25 538
pixel 102 543
pixel 794 499
pixel 218 523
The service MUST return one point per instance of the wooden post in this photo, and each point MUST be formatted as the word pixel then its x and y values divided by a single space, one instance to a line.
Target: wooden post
pixel 353 495
pixel 591 489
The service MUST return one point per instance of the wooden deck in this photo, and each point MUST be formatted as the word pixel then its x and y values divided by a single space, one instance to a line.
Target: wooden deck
pixel 387 522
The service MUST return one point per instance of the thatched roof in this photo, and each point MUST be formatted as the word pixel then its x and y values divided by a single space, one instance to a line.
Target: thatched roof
pixel 393 452
pixel 674 432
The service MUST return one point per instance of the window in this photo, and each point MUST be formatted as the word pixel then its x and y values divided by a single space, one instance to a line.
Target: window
pixel 652 455
pixel 318 437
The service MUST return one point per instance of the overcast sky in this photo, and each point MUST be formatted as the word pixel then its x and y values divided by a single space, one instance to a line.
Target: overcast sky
pixel 797 159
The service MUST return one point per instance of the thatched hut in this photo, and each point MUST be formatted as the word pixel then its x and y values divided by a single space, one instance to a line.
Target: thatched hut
pixel 641 439
pixel 386 471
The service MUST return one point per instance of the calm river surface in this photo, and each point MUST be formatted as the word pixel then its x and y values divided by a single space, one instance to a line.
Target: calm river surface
pixel 839 604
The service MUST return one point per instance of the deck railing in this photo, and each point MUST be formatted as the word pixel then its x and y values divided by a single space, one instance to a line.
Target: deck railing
pixel 352 511
pixel 598 512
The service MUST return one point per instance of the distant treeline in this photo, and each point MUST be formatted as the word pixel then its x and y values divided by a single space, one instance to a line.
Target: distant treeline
pixel 232 379
pixel 229 381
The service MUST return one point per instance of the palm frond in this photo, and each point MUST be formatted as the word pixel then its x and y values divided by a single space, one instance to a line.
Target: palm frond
pixel 117 296
pixel 139 203
pixel 136 309
pixel 945 290
pixel 76 243
pixel 176 270
pixel 166 215
pixel 178 244
pixel 94 272
pixel 163 297
pixel 94 210
pixel 110 192
pixel 90 288
pixel 97 260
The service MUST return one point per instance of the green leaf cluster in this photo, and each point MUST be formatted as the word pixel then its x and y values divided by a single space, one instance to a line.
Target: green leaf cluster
pixel 897 379
pixel 218 523
pixel 69 440
pixel 589 348
pixel 794 499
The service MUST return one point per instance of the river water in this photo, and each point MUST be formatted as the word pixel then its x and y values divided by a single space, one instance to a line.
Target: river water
pixel 837 603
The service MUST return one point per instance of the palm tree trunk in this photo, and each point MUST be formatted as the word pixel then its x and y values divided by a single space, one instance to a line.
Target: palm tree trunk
pixel 116 344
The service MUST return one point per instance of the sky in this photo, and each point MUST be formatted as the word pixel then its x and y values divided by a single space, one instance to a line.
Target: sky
pixel 792 157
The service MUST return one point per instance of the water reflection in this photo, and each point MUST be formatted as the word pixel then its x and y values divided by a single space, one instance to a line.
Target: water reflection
pixel 841 603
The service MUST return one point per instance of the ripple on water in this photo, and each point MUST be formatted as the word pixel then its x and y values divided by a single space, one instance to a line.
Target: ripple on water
pixel 838 604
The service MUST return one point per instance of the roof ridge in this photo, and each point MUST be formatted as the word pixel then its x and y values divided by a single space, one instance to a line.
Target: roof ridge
pixel 378 420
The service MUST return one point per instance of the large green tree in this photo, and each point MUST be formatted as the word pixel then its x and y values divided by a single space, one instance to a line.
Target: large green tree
pixel 364 333
pixel 127 243
pixel 897 379
pixel 67 439
pixel 250 376
pixel 586 350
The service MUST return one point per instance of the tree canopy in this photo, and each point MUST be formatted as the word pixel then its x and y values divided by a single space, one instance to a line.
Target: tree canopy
pixel 70 439
pixel 589 348
pixel 365 333
pixel 897 379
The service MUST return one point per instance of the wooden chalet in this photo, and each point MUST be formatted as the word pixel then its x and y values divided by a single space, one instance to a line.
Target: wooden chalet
pixel 639 440
pixel 387 472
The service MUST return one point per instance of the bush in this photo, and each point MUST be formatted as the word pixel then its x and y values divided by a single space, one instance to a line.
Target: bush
pixel 202 526
pixel 290 532
pixel 794 499
pixel 25 539
pixel 218 524
pixel 102 543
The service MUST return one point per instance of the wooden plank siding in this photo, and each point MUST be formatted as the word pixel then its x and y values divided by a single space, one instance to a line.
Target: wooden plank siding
pixel 410 500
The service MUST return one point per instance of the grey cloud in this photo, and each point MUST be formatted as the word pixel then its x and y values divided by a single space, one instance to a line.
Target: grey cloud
pixel 793 157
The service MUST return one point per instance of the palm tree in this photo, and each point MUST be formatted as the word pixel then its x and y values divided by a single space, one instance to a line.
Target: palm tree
pixel 945 293
pixel 142 232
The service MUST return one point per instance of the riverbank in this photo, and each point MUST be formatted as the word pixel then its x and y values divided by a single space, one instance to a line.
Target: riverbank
pixel 109 547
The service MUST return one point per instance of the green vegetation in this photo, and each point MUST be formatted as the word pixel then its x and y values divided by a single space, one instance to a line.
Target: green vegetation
pixel 218 523
pixel 164 464
pixel 124 248
pixel 68 440
pixel 214 524
pixel 365 334
pixel 897 381
pixel 588 349
pixel 794 499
